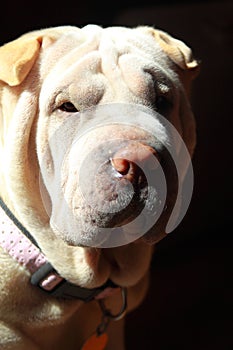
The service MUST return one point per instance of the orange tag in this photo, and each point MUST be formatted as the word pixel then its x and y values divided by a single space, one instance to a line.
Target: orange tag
pixel 96 342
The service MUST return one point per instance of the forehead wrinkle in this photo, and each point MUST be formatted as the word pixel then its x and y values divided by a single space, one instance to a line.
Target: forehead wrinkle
pixel 109 54
pixel 67 50
pixel 135 67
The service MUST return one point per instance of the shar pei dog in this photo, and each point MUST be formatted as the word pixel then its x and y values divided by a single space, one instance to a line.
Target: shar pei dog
pixel 96 136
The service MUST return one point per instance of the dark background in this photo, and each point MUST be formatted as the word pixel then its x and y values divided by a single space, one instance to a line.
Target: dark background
pixel 190 301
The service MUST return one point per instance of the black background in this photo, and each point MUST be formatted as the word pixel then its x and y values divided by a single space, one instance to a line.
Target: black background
pixel 190 302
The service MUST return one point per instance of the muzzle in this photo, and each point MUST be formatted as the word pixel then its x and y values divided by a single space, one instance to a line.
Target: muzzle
pixel 117 176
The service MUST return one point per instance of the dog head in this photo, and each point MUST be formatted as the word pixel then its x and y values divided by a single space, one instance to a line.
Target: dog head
pixel 88 123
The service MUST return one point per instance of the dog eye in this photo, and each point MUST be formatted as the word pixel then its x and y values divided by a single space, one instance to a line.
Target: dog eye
pixel 162 104
pixel 68 107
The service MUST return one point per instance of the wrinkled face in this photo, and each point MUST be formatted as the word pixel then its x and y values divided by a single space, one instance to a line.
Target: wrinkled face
pixel 107 175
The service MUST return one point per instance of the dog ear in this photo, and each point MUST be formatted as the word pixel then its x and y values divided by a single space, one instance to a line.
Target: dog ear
pixel 17 58
pixel 177 51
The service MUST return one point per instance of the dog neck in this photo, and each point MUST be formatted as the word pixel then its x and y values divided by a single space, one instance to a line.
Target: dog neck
pixel 20 244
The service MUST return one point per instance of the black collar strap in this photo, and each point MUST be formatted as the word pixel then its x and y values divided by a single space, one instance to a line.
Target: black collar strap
pixel 61 288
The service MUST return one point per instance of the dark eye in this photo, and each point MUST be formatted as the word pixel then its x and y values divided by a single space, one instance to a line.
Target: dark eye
pixel 162 104
pixel 68 107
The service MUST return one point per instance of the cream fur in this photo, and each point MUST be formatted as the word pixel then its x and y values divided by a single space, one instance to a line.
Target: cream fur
pixel 73 57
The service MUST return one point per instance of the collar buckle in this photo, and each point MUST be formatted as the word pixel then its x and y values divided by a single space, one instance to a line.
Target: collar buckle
pixel 48 280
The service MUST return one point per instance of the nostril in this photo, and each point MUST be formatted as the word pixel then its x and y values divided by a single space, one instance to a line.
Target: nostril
pixel 121 165
pixel 135 155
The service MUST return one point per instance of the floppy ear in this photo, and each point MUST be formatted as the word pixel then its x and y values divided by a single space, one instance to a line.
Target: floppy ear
pixel 180 54
pixel 17 58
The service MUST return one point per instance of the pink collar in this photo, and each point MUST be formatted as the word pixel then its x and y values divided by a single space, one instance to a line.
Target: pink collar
pixel 22 249
pixel 14 242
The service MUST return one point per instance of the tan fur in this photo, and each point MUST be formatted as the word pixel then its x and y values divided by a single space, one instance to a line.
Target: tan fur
pixel 29 65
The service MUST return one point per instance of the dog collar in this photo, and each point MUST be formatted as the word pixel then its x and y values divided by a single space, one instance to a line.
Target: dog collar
pixel 19 243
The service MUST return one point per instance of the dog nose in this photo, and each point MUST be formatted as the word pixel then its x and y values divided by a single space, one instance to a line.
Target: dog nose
pixel 133 159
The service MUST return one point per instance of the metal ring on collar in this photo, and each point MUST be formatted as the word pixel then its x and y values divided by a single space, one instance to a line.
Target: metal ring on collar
pixel 122 311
